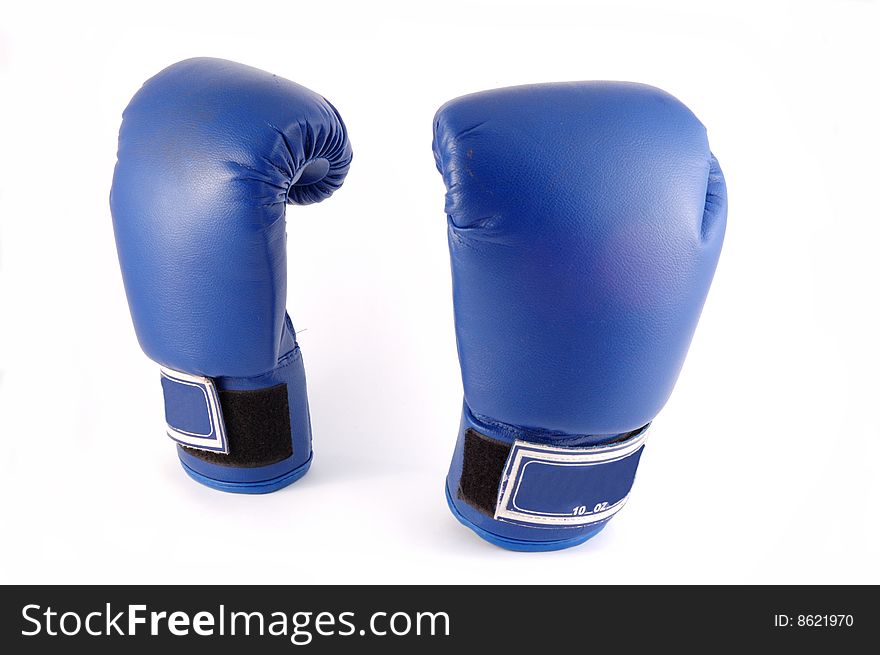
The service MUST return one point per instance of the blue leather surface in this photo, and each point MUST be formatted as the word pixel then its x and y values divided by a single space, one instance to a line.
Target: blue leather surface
pixel 585 223
pixel 210 153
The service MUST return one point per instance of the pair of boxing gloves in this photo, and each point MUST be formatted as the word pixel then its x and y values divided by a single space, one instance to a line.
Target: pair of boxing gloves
pixel 585 223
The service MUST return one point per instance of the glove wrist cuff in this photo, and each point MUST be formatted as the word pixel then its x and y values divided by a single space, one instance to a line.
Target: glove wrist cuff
pixel 520 489
pixel 234 433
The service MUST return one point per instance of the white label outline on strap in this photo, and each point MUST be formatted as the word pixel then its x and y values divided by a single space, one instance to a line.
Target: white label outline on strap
pixel 215 440
pixel 507 508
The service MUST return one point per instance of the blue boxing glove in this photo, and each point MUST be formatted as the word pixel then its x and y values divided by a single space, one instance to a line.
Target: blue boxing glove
pixel 585 223
pixel 210 153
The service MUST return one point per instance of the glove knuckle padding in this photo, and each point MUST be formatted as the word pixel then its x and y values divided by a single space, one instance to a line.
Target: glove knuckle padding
pixel 210 152
pixel 585 222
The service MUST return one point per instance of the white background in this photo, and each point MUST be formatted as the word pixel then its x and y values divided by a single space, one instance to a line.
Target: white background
pixel 763 467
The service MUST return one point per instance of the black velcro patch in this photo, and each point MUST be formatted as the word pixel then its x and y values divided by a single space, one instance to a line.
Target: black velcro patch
pixel 482 468
pixel 257 428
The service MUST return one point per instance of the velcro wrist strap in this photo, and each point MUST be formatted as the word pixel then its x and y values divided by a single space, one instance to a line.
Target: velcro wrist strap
pixel 237 427
pixel 193 413
pixel 543 486
pixel 567 487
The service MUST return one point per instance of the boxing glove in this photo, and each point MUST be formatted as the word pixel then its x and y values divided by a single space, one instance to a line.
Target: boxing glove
pixel 585 221
pixel 210 153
